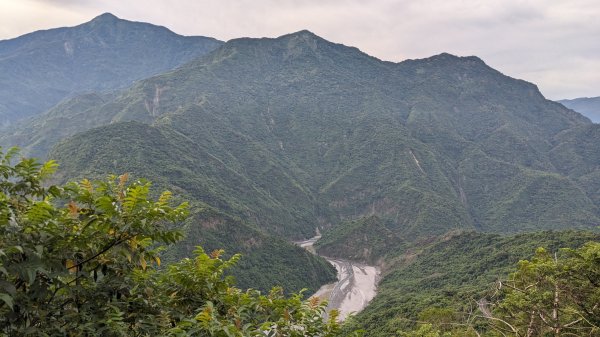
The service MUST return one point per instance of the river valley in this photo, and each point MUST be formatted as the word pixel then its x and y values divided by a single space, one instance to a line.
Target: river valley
pixel 356 285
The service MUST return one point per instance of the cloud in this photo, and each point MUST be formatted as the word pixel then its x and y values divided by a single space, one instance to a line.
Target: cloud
pixel 552 43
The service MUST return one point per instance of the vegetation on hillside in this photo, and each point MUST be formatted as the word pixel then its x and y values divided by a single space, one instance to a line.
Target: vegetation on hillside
pixel 83 259
pixel 393 153
pixel 577 155
pixel 549 295
pixel 446 280
pixel 330 134
pixel 42 68
pixel 365 240
pixel 226 206
pixel 202 170
pixel 553 293
pixel 268 260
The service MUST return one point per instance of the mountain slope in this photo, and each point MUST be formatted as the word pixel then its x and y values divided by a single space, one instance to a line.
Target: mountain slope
pixel 39 69
pixel 576 154
pixel 170 158
pixel 36 135
pixel 172 162
pixel 587 106
pixel 322 133
pixel 452 274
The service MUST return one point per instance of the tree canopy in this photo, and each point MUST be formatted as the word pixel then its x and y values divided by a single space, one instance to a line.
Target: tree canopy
pixel 83 259
pixel 551 295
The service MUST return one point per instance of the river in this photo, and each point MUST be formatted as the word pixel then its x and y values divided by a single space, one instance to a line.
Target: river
pixel 356 285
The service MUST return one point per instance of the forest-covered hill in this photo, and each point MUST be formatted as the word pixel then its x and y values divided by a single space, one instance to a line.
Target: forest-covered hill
pixel 39 69
pixel 315 133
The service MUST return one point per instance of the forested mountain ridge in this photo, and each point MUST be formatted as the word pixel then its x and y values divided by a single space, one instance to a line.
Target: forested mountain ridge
pixel 326 133
pixel 39 69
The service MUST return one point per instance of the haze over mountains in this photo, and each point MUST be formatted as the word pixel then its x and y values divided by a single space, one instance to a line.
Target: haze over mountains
pixel 270 138
pixel 40 69
pixel 587 106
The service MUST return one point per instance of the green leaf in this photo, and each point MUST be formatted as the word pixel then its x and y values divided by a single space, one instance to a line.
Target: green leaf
pixel 6 298
pixel 48 168
pixel 40 212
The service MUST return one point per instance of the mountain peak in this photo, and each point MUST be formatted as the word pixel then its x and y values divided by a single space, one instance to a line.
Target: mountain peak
pixel 100 54
pixel 450 57
pixel 296 43
pixel 302 34
pixel 105 17
pixel 447 59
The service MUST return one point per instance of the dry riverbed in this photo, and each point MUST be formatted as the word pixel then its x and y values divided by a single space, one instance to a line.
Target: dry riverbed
pixel 356 285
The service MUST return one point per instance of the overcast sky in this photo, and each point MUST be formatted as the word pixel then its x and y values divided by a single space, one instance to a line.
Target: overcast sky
pixel 553 43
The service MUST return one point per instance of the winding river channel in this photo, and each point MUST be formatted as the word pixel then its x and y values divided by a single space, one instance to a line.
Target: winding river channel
pixel 356 285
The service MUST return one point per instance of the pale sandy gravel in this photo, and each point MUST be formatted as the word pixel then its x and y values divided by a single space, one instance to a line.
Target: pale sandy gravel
pixel 355 288
pixel 361 292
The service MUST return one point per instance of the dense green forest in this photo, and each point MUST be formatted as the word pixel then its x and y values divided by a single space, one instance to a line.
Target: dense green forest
pixel 443 282
pixel 268 260
pixel 366 239
pixel 222 217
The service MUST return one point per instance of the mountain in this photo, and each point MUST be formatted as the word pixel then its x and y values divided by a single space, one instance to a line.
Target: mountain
pixel 267 260
pixel 39 69
pixel 587 106
pixel 316 133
